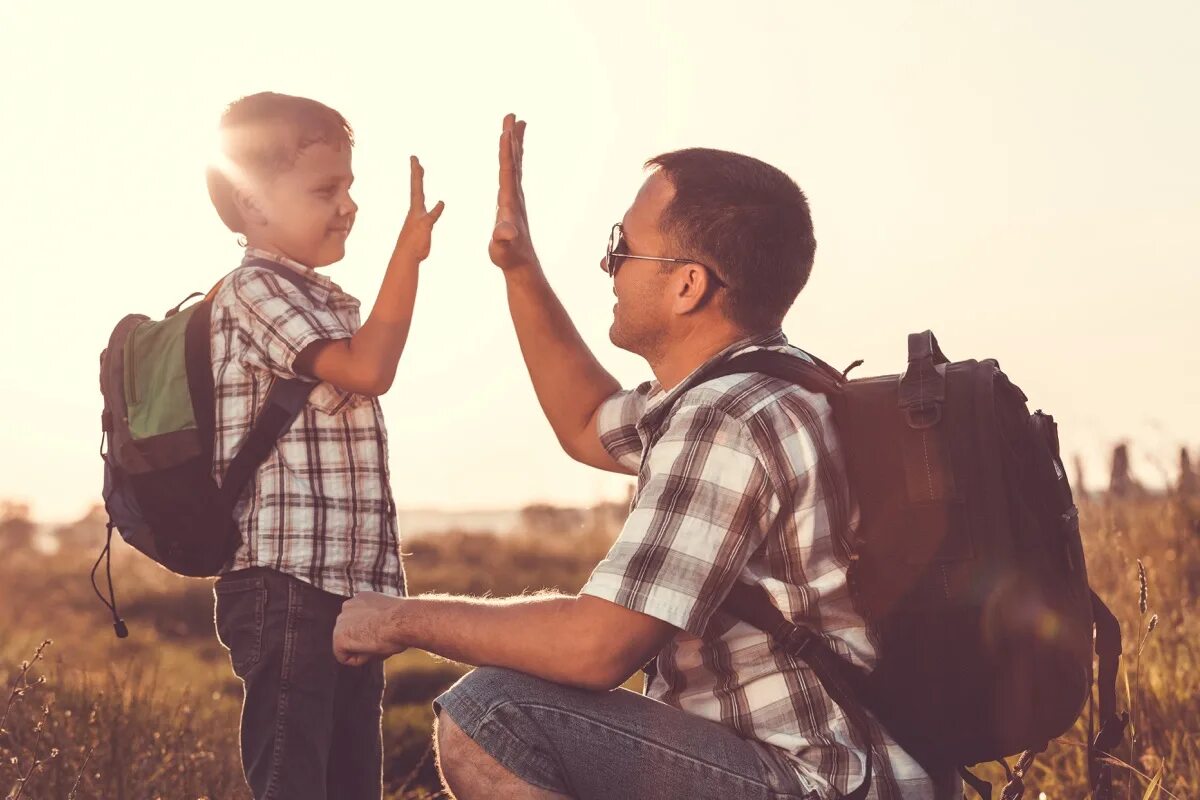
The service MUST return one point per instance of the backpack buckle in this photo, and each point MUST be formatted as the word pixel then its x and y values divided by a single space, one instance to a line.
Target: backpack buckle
pixel 923 415
pixel 795 640
pixel 922 387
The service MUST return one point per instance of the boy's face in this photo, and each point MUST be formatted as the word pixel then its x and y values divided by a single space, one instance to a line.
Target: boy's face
pixel 307 211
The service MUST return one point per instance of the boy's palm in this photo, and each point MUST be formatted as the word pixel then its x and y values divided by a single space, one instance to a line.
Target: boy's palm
pixel 511 244
pixel 417 232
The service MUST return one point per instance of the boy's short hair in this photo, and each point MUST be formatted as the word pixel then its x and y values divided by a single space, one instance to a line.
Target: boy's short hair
pixel 261 136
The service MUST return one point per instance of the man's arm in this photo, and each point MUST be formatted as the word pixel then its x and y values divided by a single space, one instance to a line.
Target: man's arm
pixel 569 382
pixel 578 641
pixel 366 362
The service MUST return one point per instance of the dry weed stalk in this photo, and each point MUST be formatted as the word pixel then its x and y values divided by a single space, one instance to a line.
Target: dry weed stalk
pixel 1143 606
pixel 22 684
pixel 23 780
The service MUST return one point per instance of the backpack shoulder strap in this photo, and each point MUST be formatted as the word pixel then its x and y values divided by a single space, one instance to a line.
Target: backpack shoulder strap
pixel 1112 725
pixel 815 376
pixel 285 400
pixel 842 681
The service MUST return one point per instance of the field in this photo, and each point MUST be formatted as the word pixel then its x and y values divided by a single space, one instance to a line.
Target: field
pixel 155 715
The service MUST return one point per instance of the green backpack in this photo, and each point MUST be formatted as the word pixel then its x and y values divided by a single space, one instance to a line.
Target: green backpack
pixel 158 424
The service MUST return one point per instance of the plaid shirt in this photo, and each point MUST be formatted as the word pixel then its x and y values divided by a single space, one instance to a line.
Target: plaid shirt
pixel 320 507
pixel 746 482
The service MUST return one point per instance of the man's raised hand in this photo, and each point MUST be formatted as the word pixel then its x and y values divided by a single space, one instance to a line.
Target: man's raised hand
pixel 511 245
pixel 417 232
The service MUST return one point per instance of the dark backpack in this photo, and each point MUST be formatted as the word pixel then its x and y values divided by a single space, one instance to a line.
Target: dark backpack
pixel 967 567
pixel 159 492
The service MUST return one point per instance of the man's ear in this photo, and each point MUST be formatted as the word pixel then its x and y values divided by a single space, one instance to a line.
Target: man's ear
pixel 692 288
pixel 248 207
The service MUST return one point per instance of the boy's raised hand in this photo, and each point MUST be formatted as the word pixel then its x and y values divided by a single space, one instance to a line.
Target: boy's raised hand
pixel 511 245
pixel 417 231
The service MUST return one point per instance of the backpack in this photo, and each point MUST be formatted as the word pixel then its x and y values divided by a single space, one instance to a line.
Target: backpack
pixel 967 567
pixel 158 422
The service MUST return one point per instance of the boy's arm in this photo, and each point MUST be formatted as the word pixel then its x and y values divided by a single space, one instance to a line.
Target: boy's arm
pixel 569 382
pixel 366 362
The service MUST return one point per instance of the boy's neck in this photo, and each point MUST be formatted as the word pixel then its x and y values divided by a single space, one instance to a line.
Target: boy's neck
pixel 267 248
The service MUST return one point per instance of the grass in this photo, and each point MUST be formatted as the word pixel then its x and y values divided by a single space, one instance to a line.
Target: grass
pixel 155 715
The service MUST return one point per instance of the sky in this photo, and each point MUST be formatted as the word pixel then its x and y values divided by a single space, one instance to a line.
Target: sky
pixel 1022 178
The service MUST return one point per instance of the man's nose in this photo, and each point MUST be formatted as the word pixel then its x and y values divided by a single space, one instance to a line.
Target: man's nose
pixel 349 207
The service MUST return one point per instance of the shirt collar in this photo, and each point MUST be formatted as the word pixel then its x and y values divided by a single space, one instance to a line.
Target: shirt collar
pixel 657 398
pixel 308 273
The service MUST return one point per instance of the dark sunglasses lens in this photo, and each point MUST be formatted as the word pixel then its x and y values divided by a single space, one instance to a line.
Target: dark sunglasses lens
pixel 614 244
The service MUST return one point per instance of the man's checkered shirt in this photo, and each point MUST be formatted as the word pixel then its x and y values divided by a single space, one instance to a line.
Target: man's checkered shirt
pixel 745 483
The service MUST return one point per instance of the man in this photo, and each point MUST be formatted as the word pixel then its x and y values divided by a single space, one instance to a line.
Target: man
pixel 738 478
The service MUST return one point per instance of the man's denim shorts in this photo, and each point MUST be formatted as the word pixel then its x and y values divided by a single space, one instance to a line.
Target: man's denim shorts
pixel 615 744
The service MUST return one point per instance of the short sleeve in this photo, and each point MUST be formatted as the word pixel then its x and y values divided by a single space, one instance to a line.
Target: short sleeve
pixel 617 423
pixel 706 505
pixel 281 320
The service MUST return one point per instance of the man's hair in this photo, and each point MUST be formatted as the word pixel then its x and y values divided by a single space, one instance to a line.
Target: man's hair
pixel 748 221
pixel 261 136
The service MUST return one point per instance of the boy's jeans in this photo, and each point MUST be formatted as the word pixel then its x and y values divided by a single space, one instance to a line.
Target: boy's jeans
pixel 310 726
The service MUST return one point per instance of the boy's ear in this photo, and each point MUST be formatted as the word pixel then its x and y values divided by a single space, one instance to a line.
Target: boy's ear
pixel 248 207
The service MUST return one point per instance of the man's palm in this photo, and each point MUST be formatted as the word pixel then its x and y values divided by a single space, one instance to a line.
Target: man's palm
pixel 511 245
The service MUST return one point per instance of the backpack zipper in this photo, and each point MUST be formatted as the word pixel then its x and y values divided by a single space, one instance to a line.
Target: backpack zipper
pixel 130 370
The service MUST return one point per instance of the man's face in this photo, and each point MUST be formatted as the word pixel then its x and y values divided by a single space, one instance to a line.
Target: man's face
pixel 641 315
pixel 308 208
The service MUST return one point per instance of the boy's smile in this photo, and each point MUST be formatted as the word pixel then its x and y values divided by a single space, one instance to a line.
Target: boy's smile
pixel 306 212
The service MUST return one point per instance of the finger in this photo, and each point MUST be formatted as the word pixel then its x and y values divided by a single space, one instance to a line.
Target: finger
pixel 520 149
pixel 416 183
pixel 516 162
pixel 507 177
pixel 352 659
pixel 436 213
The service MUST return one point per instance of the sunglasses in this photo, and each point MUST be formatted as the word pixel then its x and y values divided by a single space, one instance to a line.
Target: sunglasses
pixel 617 251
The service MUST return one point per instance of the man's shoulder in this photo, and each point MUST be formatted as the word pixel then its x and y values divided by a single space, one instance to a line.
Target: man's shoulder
pixel 753 398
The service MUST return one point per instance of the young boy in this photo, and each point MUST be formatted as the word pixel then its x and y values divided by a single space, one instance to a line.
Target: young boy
pixel 318 522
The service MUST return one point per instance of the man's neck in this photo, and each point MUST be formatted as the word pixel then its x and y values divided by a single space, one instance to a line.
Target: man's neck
pixel 689 353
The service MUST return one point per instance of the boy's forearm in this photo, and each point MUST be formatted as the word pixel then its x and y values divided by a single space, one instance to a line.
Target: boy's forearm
pixel 569 382
pixel 379 343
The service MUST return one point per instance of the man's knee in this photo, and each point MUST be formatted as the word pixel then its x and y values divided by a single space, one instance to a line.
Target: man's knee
pixel 465 768
pixel 451 743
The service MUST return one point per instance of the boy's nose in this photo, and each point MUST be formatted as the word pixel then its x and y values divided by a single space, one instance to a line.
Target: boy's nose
pixel 349 207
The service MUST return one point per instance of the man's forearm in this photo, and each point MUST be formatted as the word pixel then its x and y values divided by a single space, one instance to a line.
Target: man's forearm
pixel 539 635
pixel 569 382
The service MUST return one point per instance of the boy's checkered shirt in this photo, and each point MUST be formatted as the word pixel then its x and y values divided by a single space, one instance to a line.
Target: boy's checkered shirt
pixel 320 508
pixel 745 483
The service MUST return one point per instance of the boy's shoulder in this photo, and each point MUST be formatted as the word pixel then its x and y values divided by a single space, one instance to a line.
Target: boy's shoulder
pixel 256 283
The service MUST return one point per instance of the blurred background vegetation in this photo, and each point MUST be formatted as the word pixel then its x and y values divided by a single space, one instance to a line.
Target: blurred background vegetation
pixel 156 715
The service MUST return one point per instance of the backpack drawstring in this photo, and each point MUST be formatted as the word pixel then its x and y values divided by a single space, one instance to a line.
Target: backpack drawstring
pixel 111 601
